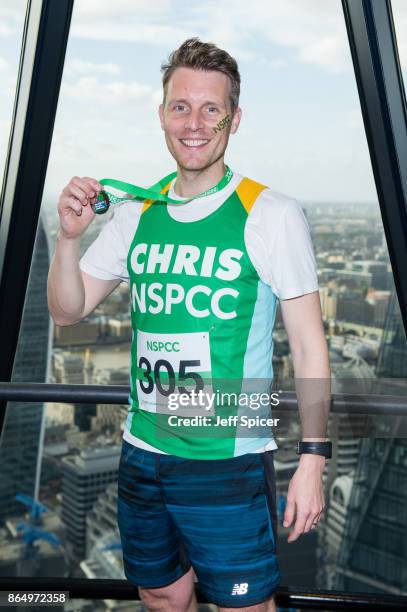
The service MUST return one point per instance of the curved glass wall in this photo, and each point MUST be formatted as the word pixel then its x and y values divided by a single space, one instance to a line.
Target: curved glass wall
pixel 302 134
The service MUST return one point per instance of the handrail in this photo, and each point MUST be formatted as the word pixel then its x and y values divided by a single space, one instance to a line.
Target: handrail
pixel 342 403
pixel 286 597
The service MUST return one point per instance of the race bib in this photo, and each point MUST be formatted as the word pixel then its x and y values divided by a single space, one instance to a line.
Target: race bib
pixel 170 366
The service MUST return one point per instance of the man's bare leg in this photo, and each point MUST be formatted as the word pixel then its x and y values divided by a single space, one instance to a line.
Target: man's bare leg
pixel 179 596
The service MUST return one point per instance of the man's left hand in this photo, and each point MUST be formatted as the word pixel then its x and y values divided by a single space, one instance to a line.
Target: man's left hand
pixel 305 497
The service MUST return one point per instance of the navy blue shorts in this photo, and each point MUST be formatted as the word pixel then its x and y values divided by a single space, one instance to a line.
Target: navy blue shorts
pixel 217 515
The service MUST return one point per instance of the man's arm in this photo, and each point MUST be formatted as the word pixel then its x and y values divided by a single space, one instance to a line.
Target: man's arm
pixel 72 293
pixel 303 322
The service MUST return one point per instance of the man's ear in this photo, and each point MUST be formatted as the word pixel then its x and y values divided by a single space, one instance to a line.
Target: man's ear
pixel 236 120
pixel 161 115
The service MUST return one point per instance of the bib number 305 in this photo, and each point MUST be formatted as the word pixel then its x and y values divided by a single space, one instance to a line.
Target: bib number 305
pixel 163 366
pixel 170 363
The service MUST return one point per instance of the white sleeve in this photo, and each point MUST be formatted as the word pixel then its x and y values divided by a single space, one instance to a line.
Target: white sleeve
pixel 282 249
pixel 292 264
pixel 106 257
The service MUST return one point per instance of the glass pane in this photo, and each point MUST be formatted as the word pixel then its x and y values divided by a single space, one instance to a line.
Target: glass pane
pixel 301 134
pixel 12 15
pixel 60 513
pixel 399 10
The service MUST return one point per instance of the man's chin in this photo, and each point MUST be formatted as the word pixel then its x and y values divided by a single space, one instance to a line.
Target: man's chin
pixel 192 164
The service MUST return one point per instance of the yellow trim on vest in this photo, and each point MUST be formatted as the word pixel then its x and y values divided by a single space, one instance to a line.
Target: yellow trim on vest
pixel 147 203
pixel 248 192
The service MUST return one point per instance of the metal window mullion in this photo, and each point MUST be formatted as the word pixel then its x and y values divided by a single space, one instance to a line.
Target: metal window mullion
pixel 382 97
pixel 43 49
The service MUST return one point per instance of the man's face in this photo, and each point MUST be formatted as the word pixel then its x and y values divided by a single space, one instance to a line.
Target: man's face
pixel 196 103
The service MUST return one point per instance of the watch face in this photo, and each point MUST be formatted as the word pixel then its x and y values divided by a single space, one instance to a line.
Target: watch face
pixel 102 204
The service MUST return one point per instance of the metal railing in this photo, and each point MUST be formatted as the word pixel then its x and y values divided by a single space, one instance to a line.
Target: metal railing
pixel 342 403
pixel 285 597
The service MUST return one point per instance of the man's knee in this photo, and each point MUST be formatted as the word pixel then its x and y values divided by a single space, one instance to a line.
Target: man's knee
pixel 178 595
pixel 164 600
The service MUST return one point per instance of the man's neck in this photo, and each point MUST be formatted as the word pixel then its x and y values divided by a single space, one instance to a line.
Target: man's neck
pixel 190 183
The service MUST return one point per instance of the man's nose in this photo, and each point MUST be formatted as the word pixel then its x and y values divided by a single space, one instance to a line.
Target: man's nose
pixel 194 121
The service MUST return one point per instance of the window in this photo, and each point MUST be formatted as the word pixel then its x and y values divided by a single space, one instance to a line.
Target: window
pixel 301 133
pixel 12 14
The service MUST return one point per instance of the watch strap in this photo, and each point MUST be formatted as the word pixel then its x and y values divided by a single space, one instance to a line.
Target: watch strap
pixel 315 448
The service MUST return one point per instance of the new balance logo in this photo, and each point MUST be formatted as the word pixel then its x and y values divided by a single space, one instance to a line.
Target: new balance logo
pixel 240 589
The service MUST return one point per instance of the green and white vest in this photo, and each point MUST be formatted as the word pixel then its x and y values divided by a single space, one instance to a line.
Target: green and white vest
pixel 200 315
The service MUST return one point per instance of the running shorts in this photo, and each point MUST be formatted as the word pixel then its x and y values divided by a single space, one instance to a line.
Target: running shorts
pixel 217 515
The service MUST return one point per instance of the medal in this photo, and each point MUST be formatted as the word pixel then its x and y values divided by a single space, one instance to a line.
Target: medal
pixel 105 198
pixel 102 204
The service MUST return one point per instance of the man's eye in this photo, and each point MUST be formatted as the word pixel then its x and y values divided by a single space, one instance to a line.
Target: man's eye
pixel 177 106
pixel 212 108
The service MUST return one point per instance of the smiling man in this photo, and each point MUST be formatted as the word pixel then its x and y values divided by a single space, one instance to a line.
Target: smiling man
pixel 206 276
pixel 193 125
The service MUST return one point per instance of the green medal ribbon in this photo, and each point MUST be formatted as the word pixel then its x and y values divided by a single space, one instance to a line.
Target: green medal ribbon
pixel 105 198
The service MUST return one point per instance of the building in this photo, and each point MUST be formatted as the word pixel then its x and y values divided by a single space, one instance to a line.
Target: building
pixel 85 476
pixel 23 425
pixel 373 553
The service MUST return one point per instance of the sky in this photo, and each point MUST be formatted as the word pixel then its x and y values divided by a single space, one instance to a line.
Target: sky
pixel 301 131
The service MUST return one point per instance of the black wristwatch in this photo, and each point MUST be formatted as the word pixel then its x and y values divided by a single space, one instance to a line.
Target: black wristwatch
pixel 315 448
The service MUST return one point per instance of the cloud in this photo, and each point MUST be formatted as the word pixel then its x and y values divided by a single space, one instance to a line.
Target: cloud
pixel 132 21
pixel 141 33
pixel 13 9
pixel 313 32
pixel 140 10
pixel 326 52
pixel 12 14
pixel 278 63
pixel 4 65
pixel 6 30
pixel 112 94
pixel 76 66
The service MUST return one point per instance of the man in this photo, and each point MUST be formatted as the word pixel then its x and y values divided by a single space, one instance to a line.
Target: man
pixel 205 277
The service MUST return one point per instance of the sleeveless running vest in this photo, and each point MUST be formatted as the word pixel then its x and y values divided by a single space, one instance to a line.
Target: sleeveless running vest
pixel 202 320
